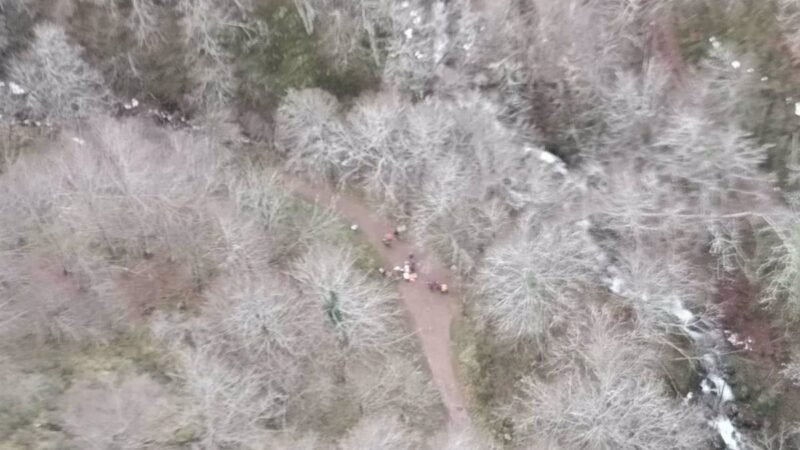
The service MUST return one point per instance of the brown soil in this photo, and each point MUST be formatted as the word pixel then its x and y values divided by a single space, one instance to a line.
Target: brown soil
pixel 156 284
pixel 741 313
pixel 760 353
pixel 430 313
pixel 666 49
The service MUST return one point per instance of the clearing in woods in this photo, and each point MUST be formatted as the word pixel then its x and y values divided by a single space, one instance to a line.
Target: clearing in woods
pixel 430 313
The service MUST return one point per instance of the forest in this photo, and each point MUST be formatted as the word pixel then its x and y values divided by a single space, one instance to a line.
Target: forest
pixel 400 224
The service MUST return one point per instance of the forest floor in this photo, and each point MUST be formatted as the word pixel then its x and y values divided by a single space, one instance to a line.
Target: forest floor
pixel 430 313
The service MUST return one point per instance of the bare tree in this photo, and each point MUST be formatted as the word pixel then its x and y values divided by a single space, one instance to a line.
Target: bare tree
pixel 395 143
pixel 296 440
pixel 266 323
pixel 380 432
pixel 656 287
pixel 789 17
pixel 344 25
pixel 60 85
pixel 602 393
pixel 362 311
pixel 206 26
pixel 400 385
pixel 527 283
pixel 786 436
pixel 715 162
pixel 310 131
pixel 144 20
pixel 291 225
pixel 451 218
pixel 415 48
pixel 131 413
pixel 230 402
pixel 467 438
pixel 43 304
pixel 4 39
pixel 632 107
pixel 781 271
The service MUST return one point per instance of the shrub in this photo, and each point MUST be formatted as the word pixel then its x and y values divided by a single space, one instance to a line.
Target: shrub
pixel 60 84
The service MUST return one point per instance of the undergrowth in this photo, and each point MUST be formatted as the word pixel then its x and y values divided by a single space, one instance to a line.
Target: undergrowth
pixel 286 57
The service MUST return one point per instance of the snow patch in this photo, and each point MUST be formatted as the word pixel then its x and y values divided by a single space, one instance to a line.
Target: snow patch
pixel 736 340
pixel 680 311
pixel 736 64
pixel 16 89
pixel 549 158
pixel 616 285
pixel 797 109
pixel 132 104
pixel 409 33
pixel 78 140
pixel 722 389
pixel 727 432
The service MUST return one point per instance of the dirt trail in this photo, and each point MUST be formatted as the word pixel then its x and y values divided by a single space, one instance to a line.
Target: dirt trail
pixel 430 313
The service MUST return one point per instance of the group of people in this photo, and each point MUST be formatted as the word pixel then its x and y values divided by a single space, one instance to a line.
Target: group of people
pixel 408 271
pixel 390 237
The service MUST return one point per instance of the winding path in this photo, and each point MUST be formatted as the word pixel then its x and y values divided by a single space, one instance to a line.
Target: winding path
pixel 430 313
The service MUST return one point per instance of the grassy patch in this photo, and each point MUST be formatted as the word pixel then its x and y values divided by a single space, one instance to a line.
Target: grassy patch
pixel 489 374
pixel 337 232
pixel 284 56
pixel 30 398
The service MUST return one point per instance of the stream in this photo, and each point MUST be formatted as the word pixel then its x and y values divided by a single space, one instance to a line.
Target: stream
pixel 713 394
